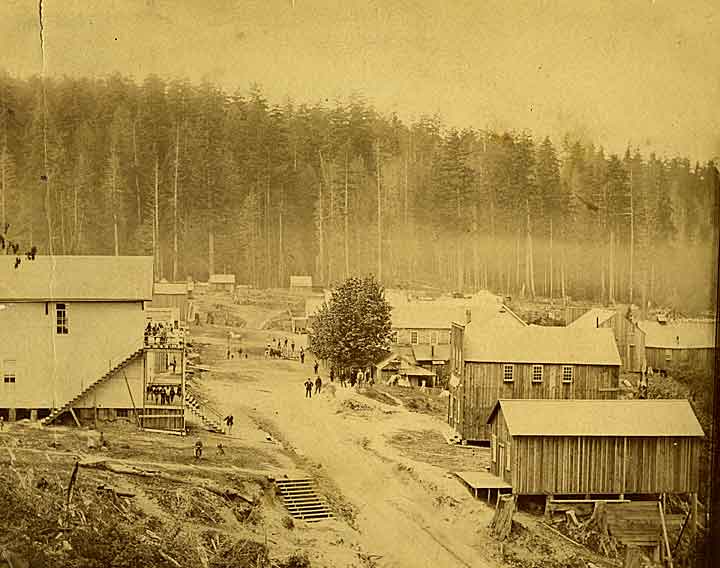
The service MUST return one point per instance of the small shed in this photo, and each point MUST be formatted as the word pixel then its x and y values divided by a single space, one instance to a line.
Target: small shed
pixel 222 282
pixel 301 282
pixel 596 447
pixel 680 343
pixel 404 366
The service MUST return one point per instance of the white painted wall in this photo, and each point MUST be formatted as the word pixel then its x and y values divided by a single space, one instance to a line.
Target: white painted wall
pixel 52 368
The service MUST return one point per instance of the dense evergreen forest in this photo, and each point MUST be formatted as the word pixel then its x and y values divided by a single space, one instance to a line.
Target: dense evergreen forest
pixel 211 181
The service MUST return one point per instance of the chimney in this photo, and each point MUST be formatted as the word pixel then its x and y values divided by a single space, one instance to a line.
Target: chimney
pixel 468 316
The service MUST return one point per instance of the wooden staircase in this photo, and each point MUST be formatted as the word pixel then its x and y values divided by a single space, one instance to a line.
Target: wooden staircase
pixel 302 501
pixel 192 404
pixel 69 404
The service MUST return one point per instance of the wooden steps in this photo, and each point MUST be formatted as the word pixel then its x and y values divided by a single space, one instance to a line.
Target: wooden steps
pixel 192 404
pixel 69 404
pixel 302 501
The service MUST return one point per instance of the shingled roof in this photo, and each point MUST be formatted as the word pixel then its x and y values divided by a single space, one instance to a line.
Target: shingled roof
pixel 77 278
pixel 641 418
pixel 537 344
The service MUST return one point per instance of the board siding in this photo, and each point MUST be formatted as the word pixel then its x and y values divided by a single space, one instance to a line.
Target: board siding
pixel 594 465
pixel 483 386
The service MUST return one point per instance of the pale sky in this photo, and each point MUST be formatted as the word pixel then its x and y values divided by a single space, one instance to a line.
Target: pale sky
pixel 642 72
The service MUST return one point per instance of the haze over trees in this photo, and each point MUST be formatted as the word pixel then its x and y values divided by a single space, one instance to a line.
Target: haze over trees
pixel 210 181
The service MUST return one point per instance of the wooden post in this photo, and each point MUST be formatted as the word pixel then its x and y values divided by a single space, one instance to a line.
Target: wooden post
pixel 694 522
pixel 75 418
pixel 665 535
pixel 132 400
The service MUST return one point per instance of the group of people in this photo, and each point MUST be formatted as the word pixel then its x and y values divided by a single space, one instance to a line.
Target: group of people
pixel 309 386
pixel 282 348
pixel 352 377
pixel 163 335
pixel 163 394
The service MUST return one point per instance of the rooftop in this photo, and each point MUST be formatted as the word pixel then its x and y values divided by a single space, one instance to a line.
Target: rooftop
pixel 170 288
pixel 438 315
pixel 679 334
pixel 595 317
pixel 424 352
pixel 537 344
pixel 222 279
pixel 641 418
pixel 77 278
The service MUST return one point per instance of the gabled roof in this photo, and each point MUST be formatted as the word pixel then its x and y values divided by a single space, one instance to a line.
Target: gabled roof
pixel 222 279
pixel 436 315
pixel 643 418
pixel 538 344
pixel 406 365
pixel 594 317
pixel 77 278
pixel 170 288
pixel 679 334
pixel 424 352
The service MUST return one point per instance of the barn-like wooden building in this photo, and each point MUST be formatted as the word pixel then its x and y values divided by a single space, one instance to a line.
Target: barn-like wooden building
pixel 629 337
pixel 680 343
pixel 596 447
pixel 488 364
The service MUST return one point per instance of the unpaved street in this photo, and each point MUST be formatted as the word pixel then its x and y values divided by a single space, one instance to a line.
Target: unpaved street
pixel 411 514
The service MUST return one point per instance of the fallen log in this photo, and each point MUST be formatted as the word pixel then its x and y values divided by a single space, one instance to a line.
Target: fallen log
pixel 206 484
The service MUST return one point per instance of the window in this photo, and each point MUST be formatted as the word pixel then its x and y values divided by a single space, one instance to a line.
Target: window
pixel 434 337
pixel 9 371
pixel 507 457
pixel 62 319
pixel 567 374
pixel 668 354
pixel 394 336
pixel 508 373
pixel 537 375
pixel 414 337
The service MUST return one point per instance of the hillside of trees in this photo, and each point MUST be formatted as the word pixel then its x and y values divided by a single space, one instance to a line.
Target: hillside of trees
pixel 211 181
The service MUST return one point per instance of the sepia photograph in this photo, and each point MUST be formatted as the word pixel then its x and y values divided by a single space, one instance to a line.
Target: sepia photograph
pixel 359 283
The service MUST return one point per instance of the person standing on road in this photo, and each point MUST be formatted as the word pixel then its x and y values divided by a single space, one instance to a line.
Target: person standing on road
pixel 308 388
pixel 292 348
pixel 318 385
pixel 316 367
pixel 302 356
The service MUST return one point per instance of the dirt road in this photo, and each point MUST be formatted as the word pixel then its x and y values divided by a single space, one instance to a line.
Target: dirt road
pixel 411 514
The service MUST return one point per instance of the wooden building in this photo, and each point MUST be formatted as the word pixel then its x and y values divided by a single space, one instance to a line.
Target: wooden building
pixel 404 367
pixel 222 283
pixel 680 343
pixel 171 295
pixel 596 447
pixel 426 327
pixel 301 282
pixel 630 338
pixel 488 364
pixel 72 339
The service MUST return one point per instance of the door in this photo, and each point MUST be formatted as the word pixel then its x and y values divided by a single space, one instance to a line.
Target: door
pixel 500 460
